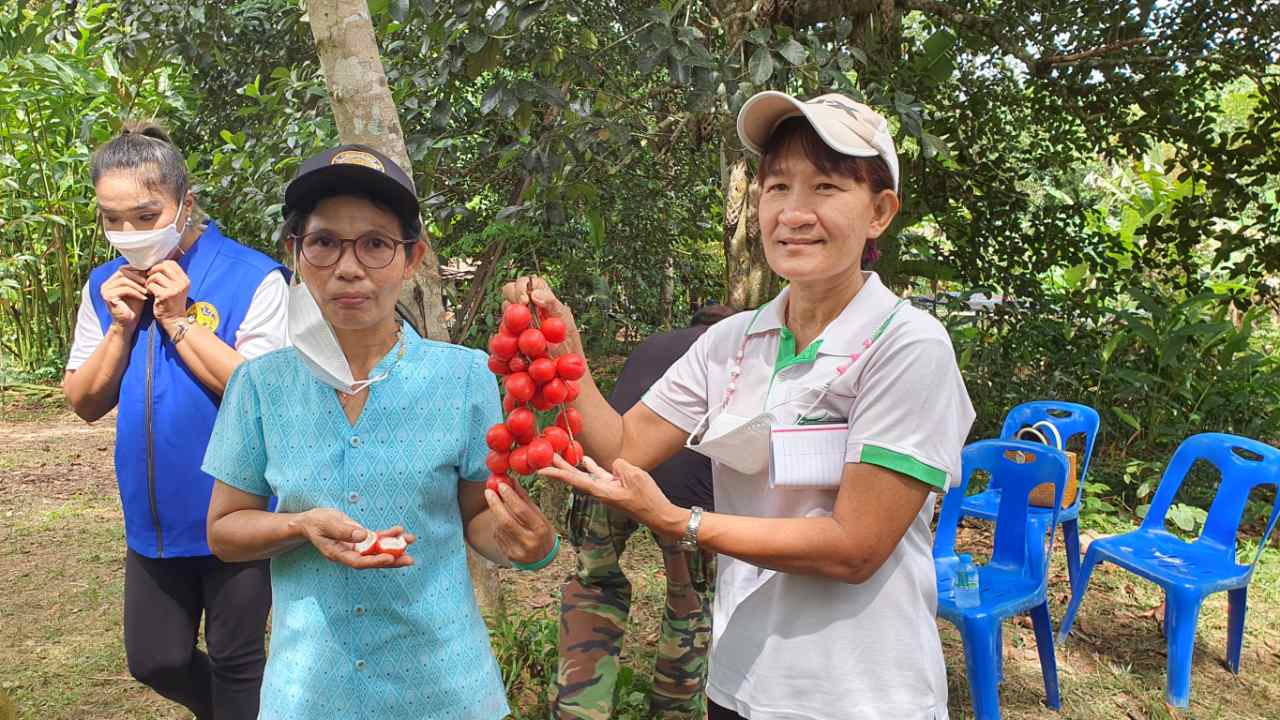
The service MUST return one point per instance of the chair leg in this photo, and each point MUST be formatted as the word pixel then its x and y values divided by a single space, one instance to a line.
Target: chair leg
pixel 1184 611
pixel 982 654
pixel 1048 659
pixel 1071 540
pixel 1237 603
pixel 1077 594
pixel 999 652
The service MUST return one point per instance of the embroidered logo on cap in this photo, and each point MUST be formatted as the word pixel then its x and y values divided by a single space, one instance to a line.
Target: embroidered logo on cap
pixel 357 157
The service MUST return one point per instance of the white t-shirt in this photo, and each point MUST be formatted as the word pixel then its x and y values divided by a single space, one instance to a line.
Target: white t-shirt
pixel 791 647
pixel 265 326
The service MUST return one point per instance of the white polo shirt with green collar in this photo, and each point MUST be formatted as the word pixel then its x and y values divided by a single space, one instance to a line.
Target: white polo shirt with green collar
pixel 793 647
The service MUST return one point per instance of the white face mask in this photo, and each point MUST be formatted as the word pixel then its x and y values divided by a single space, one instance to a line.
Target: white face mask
pixel 313 338
pixel 738 442
pixel 145 248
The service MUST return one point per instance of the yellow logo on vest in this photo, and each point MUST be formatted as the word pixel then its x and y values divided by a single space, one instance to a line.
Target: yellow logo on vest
pixel 203 314
pixel 358 157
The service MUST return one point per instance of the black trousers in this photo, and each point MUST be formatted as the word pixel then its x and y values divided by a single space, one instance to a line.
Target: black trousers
pixel 163 603
pixel 718 712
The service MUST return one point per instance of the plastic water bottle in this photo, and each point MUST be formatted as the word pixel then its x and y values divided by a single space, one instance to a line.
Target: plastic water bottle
pixel 966 583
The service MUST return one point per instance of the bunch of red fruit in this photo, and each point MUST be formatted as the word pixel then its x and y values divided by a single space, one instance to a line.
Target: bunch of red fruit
pixel 532 381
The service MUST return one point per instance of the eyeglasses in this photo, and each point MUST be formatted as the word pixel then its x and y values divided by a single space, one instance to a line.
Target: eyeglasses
pixel 324 249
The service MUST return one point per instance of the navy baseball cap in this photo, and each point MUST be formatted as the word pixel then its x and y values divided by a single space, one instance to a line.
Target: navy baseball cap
pixel 357 169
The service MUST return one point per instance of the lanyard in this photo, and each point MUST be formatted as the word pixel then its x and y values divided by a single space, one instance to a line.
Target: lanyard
pixel 736 371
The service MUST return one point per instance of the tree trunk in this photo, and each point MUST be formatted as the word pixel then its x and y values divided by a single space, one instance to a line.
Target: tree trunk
pixel 748 279
pixel 365 113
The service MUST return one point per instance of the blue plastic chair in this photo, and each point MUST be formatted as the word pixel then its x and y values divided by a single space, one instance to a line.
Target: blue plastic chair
pixel 1014 581
pixel 1190 571
pixel 1070 419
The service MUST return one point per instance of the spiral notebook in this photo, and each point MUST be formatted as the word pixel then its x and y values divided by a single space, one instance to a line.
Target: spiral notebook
pixel 807 456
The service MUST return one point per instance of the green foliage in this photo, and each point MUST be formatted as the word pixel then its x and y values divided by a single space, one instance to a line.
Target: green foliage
pixel 62 92
pixel 525 646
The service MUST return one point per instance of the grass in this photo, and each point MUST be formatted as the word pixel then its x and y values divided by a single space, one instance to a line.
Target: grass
pixel 61 574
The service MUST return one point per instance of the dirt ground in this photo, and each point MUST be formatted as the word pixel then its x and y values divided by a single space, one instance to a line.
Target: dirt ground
pixel 61 576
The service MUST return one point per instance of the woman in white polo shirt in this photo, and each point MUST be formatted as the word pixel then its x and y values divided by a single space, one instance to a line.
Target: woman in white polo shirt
pixel 825 594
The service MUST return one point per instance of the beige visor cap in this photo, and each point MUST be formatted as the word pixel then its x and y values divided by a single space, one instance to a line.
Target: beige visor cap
pixel 846 126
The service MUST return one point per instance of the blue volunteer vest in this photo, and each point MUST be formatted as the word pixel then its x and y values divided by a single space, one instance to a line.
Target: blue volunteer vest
pixel 164 414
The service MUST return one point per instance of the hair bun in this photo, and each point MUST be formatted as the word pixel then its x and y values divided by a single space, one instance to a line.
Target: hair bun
pixel 147 129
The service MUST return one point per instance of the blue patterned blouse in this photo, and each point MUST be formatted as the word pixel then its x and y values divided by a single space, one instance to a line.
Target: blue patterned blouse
pixel 388 644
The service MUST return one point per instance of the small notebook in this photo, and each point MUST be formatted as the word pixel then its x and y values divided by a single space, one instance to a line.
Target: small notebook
pixel 807 456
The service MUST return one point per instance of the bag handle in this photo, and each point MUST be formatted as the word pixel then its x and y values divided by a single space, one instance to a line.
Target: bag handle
pixel 1033 432
pixel 1043 438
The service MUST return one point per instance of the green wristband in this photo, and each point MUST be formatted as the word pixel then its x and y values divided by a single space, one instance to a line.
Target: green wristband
pixel 551 555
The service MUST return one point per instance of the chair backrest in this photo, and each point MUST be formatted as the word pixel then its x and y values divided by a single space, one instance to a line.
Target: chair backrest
pixel 1244 464
pixel 1019 467
pixel 1069 418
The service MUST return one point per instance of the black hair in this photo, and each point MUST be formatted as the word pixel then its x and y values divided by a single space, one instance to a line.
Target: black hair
pixel 711 313
pixel 143 148
pixel 295 223
pixel 797 133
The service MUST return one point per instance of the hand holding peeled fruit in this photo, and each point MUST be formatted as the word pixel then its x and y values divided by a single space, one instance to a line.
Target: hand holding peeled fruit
pixel 343 540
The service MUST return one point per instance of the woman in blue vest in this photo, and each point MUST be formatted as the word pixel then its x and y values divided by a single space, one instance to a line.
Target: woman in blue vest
pixel 159 332
pixel 363 426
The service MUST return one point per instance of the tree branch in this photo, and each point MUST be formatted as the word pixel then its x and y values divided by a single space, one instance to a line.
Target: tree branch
pixel 1069 58
pixel 994 31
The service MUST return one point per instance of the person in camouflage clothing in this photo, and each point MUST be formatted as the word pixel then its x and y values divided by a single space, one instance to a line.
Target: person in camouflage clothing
pixel 596 600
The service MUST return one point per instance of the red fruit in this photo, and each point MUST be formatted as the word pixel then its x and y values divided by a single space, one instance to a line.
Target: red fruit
pixel 498 366
pixel 542 370
pixel 574 389
pixel 520 461
pixel 516 318
pixel 574 453
pixel 509 403
pixel 504 346
pixel 518 364
pixel 499 438
pixel 497 461
pixel 540 454
pixel 393 545
pixel 532 343
pixel 520 386
pixel 555 391
pixel 521 422
pixel 569 419
pixel 368 545
pixel 571 366
pixel 558 437
pixel 554 330
pixel 496 480
pixel 540 402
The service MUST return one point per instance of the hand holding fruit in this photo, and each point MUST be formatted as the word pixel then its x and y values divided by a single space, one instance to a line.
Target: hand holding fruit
pixel 532 381
pixel 521 530
pixel 556 318
pixel 337 537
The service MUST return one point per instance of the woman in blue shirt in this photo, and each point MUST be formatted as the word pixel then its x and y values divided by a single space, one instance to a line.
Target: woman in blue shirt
pixel 159 331
pixel 363 426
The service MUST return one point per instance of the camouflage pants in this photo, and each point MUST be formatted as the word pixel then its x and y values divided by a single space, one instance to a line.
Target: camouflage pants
pixel 593 619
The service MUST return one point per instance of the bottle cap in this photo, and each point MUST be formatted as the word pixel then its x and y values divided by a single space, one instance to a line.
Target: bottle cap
pixel 966 558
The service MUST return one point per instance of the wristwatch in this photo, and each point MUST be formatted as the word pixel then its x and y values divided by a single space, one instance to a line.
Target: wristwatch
pixel 689 542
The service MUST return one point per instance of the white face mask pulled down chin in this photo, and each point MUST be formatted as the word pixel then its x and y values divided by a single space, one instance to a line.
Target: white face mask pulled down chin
pixel 314 340
pixel 145 248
